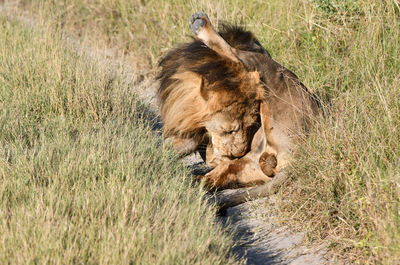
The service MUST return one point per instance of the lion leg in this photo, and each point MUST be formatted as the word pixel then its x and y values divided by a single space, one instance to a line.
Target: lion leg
pixel 269 158
pixel 216 177
pixel 201 26
pixel 270 144
pixel 235 173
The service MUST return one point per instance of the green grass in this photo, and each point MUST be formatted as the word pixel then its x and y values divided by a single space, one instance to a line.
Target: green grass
pixel 346 181
pixel 83 179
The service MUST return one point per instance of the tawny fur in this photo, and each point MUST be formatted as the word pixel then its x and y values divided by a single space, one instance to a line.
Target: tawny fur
pixel 196 82
pixel 221 73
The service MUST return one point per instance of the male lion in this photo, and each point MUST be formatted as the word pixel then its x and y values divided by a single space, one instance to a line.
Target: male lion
pixel 207 99
pixel 216 89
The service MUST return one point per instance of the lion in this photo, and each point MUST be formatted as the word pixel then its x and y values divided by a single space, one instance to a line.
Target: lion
pixel 224 91
pixel 206 100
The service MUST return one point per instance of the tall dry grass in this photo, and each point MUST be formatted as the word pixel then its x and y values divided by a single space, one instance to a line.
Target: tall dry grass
pixel 83 179
pixel 345 187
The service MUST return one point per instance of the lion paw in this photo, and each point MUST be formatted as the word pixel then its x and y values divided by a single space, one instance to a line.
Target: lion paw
pixel 207 182
pixel 268 164
pixel 197 21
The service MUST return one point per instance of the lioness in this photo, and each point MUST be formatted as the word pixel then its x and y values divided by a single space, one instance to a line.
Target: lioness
pixel 216 92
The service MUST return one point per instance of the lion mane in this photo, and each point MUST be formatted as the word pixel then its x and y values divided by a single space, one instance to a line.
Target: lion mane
pixel 196 82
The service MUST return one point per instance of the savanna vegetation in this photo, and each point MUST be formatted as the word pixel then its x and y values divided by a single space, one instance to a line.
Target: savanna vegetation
pixel 83 179
pixel 345 185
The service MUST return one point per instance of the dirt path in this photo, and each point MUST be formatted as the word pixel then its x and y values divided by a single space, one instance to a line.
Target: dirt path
pixel 259 236
pixel 260 240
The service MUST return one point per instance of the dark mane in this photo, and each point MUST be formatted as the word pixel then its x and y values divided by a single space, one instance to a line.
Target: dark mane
pixel 241 39
pixel 196 57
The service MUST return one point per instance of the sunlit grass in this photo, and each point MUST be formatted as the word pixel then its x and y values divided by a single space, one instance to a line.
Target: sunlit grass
pixel 345 187
pixel 84 180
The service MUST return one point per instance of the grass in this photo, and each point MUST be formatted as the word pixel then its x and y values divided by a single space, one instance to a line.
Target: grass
pixel 83 179
pixel 346 186
pixel 346 182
